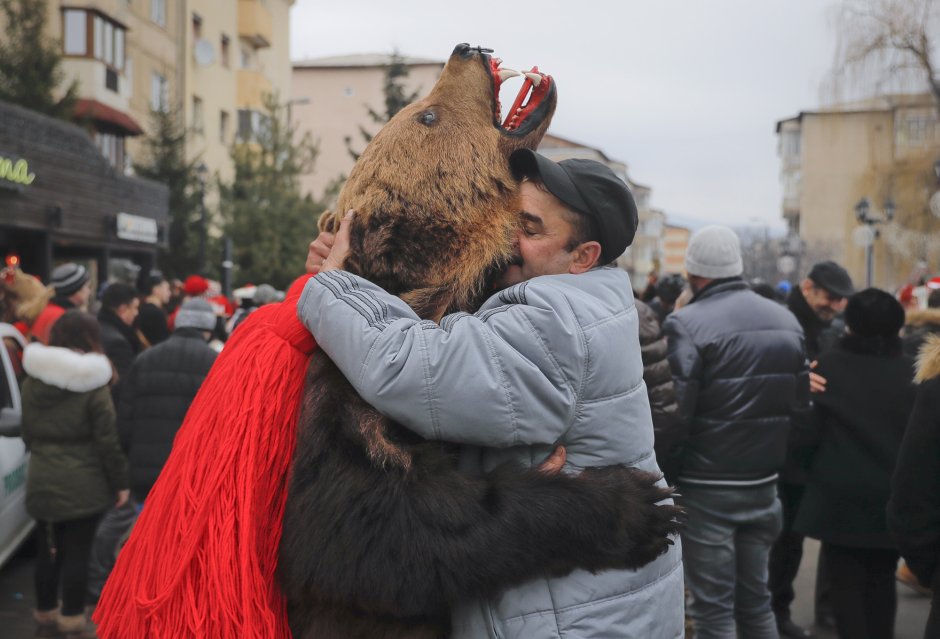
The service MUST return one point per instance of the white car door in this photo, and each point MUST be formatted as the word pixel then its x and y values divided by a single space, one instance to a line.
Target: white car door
pixel 15 523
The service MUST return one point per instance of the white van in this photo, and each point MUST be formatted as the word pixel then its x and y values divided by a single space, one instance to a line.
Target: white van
pixel 15 523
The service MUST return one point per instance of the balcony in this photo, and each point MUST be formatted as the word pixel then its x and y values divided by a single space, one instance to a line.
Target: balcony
pixel 250 89
pixel 254 23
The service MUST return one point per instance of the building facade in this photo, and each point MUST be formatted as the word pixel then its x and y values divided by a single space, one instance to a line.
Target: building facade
pixel 62 201
pixel 331 101
pixel 884 150
pixel 675 244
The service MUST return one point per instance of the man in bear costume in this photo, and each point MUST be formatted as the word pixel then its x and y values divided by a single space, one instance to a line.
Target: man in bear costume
pixel 434 185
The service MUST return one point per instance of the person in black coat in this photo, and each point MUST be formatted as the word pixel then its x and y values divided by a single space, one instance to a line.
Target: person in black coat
pixel 152 320
pixel 158 390
pixel 860 421
pixel 914 507
pixel 119 308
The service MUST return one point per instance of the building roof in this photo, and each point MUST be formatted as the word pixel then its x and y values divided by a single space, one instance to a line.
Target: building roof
pixel 877 104
pixel 362 60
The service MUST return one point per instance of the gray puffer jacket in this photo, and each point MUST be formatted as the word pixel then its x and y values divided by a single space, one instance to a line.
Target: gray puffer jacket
pixel 741 375
pixel 552 360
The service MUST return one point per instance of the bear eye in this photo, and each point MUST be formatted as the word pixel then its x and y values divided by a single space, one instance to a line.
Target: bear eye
pixel 427 118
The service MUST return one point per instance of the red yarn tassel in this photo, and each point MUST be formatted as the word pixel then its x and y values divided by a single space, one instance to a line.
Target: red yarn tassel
pixel 200 562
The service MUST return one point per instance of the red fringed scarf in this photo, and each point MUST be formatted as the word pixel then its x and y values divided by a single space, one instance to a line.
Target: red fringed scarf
pixel 200 562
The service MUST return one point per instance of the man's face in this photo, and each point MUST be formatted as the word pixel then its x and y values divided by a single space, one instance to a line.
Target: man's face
pixel 128 312
pixel 825 305
pixel 162 292
pixel 542 239
pixel 80 297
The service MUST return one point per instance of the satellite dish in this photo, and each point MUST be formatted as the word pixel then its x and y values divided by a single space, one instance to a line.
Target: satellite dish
pixel 204 52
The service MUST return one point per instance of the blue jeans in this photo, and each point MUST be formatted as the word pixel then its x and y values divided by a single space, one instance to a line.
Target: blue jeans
pixel 726 544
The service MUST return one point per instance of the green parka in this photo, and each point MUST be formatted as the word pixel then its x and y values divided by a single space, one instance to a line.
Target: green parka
pixel 76 466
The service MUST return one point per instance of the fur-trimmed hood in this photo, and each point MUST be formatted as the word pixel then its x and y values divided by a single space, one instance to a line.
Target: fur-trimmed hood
pixel 926 317
pixel 67 369
pixel 928 361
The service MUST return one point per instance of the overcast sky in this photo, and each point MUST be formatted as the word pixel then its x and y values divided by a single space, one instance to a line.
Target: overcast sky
pixel 686 92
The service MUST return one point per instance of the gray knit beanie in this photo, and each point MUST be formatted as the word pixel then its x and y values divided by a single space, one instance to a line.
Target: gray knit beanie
pixel 195 313
pixel 714 252
pixel 68 278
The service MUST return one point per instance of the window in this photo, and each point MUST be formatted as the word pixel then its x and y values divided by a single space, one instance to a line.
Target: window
pixel 158 93
pixel 112 148
pixel 247 58
pixel 920 129
pixel 158 12
pixel 76 33
pixel 223 127
pixel 198 121
pixel 224 50
pixel 197 26
pixel 251 125
pixel 107 36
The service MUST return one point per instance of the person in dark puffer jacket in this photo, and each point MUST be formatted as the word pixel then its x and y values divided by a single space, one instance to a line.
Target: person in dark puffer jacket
pixel 659 387
pixel 914 506
pixel 158 390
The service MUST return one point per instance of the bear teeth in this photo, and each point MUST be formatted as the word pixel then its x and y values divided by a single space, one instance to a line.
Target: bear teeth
pixel 505 74
pixel 535 78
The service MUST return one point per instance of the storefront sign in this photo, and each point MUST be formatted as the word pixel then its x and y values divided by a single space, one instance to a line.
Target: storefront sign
pixel 136 228
pixel 15 172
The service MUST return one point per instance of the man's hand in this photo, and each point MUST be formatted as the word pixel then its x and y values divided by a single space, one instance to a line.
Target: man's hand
pixel 122 498
pixel 552 465
pixel 817 383
pixel 340 248
pixel 318 251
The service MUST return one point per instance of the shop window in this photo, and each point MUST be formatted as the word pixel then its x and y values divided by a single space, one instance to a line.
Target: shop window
pixel 198 121
pixel 158 12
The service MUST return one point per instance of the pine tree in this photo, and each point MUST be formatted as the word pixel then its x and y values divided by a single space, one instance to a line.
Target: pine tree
pixel 30 63
pixel 396 99
pixel 269 222
pixel 165 161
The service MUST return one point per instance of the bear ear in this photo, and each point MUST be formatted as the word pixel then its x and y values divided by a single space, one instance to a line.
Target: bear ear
pixel 328 222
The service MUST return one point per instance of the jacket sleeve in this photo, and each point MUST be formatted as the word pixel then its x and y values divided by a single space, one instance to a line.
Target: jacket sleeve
pixel 685 362
pixel 105 436
pixel 914 506
pixel 659 386
pixel 488 380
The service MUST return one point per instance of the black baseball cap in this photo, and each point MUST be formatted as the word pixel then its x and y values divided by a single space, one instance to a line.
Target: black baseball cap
pixel 591 189
pixel 833 278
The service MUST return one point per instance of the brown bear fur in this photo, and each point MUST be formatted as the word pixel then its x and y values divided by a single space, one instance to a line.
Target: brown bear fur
pixel 381 533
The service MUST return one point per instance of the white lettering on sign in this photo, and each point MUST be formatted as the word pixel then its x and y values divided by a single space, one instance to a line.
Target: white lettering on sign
pixel 136 228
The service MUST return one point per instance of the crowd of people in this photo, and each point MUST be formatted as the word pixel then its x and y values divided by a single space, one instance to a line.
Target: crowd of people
pixel 778 418
pixel 103 397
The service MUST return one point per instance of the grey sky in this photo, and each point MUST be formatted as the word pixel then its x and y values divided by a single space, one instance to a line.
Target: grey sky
pixel 686 92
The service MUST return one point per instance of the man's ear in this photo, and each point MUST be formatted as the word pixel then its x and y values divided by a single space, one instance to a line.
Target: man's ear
pixel 585 257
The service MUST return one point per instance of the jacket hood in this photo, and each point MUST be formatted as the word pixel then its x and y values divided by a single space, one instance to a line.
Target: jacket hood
pixel 65 368
pixel 928 361
pixel 926 317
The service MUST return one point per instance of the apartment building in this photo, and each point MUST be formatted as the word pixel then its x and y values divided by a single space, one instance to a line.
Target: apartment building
pixel 211 61
pixel 884 150
pixel 331 99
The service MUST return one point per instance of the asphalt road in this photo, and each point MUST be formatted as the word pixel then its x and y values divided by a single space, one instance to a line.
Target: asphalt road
pixel 17 599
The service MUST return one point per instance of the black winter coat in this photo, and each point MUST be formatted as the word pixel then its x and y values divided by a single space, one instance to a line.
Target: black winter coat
pixel 157 392
pixel 860 419
pixel 659 386
pixel 741 375
pixel 914 507
pixel 121 345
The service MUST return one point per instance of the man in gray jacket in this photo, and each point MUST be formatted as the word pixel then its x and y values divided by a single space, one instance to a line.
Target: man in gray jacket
pixel 740 372
pixel 554 359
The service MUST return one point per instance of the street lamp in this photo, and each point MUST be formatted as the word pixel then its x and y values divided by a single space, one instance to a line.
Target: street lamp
pixel 202 174
pixel 866 235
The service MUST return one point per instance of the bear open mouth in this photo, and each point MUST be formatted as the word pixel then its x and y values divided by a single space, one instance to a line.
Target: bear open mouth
pixel 525 113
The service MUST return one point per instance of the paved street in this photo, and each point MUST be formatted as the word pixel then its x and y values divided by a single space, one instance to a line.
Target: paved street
pixel 17 600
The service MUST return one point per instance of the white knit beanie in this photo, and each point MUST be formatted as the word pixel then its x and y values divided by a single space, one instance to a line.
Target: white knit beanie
pixel 714 252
